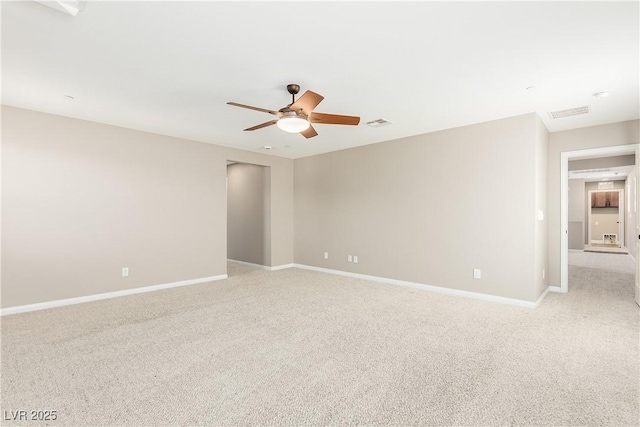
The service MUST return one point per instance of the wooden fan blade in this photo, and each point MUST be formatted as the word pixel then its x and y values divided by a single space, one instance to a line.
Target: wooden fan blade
pixel 264 110
pixel 307 102
pixel 309 132
pixel 263 125
pixel 333 119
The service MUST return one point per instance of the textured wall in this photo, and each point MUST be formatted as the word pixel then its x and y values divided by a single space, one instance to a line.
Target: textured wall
pixel 81 200
pixel 429 208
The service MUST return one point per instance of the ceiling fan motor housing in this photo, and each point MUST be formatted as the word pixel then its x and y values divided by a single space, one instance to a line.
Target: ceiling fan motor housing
pixel 293 88
pixel 288 112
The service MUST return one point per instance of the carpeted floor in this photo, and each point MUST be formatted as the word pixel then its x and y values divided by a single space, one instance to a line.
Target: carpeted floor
pixel 296 347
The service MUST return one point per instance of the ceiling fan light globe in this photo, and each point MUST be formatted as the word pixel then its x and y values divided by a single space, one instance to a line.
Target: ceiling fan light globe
pixel 293 124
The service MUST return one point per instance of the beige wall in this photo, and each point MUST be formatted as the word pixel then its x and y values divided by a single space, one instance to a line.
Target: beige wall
pixel 392 205
pixel 248 213
pixel 578 139
pixel 576 214
pixel 602 162
pixel 81 200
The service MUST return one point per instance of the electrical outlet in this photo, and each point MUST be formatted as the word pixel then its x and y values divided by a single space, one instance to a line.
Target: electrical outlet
pixel 125 271
pixel 355 259
pixel 477 273
pixel 349 258
pixel 326 255
pixel 544 273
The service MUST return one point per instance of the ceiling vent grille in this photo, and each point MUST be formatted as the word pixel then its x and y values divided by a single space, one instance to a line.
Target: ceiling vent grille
pixel 591 171
pixel 570 112
pixel 378 123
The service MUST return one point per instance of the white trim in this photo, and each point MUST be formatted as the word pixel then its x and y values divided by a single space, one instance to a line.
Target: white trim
pixel 439 289
pixel 264 267
pixel 564 198
pixel 556 289
pixel 96 297
pixel 281 267
pixel 541 297
pixel 564 221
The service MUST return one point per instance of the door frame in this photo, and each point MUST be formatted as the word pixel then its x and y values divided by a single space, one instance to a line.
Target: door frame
pixel 616 150
pixel 636 190
pixel 621 205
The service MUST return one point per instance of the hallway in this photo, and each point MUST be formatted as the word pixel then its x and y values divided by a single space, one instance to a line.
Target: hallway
pixel 600 279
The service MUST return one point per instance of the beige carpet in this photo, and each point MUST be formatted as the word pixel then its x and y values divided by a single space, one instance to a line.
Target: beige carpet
pixel 295 347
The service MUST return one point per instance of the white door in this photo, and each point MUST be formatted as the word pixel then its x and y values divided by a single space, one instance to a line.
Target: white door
pixel 637 237
pixel 621 211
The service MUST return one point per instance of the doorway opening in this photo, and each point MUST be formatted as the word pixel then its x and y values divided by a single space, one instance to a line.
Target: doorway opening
pixel 584 199
pixel 605 218
pixel 248 215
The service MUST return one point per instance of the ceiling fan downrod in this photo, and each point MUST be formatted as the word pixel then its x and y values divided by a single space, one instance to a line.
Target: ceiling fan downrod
pixel 293 90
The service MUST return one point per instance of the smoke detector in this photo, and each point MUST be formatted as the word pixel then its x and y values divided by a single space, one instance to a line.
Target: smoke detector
pixel 602 94
pixel 378 123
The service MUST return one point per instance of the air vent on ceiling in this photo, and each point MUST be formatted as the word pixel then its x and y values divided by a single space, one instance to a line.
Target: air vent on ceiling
pixel 379 122
pixel 591 171
pixel 570 112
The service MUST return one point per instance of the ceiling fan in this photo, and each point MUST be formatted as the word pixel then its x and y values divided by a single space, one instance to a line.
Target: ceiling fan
pixel 299 116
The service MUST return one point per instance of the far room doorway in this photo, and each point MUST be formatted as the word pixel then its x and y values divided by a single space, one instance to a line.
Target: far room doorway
pixel 248 216
pixel 587 192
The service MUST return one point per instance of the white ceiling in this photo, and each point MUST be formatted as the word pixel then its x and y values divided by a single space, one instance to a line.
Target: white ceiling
pixel 170 67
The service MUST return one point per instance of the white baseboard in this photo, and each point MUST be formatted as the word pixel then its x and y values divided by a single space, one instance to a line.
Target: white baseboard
pixel 281 267
pixel 439 289
pixel 264 267
pixel 541 297
pixel 556 289
pixel 96 297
